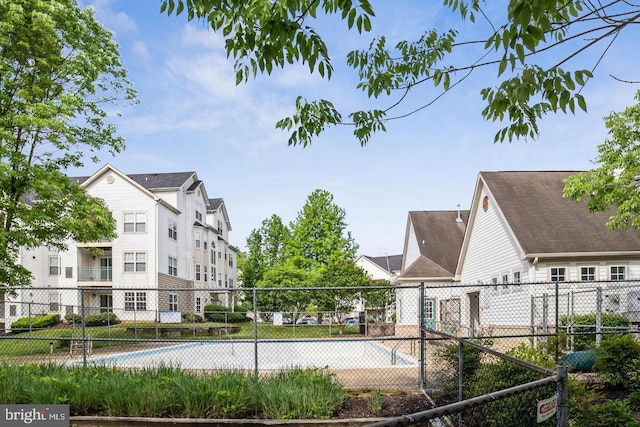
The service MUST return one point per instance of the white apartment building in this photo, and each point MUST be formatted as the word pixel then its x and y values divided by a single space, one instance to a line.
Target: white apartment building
pixel 170 236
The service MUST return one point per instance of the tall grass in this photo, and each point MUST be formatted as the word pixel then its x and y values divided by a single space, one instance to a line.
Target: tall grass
pixel 167 391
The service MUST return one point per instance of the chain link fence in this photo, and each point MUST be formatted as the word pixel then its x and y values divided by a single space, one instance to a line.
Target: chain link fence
pixel 193 329
pixel 456 343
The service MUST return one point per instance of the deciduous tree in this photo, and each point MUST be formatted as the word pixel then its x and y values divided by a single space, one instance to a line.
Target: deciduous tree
pixel 545 51
pixel 58 67
pixel 614 183
pixel 319 233
pixel 266 246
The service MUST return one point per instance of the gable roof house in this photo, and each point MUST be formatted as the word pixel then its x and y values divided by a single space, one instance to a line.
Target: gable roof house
pixel 522 238
pixel 431 249
pixel 381 268
pixel 169 237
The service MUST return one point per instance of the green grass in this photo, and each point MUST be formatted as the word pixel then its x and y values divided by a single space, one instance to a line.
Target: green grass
pixel 169 392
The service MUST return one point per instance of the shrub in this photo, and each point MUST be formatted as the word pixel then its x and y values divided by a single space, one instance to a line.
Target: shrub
pixel 191 318
pixel 221 314
pixel 73 318
pixel 37 322
pixel 585 337
pixel 617 359
pixel 101 319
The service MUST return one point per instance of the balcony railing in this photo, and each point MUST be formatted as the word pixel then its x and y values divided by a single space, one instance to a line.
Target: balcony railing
pixel 95 274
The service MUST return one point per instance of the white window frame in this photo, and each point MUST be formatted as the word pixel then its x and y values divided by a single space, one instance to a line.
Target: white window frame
pixel 555 274
pixel 494 282
pixel 505 281
pixel 620 274
pixel 55 265
pixel 516 277
pixel 173 230
pixel 173 302
pixel 54 302
pixel 136 259
pixel 135 301
pixel 134 222
pixel 173 266
pixel 197 238
pixel 199 215
pixel 588 276
pixel 198 271
pixel 198 304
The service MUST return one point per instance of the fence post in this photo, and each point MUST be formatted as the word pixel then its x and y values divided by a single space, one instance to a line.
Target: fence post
pixel 84 330
pixel 562 413
pixel 422 334
pixel 556 323
pixel 30 329
pixel 598 316
pixel 545 315
pixel 255 331
pixel 533 321
pixel 460 377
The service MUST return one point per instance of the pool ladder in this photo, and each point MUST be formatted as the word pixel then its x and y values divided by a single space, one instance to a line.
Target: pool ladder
pixel 394 351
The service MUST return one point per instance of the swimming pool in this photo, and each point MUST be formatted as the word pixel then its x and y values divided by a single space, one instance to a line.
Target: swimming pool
pixel 272 355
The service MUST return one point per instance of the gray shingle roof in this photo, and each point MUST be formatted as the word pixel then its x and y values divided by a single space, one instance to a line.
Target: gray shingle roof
pixel 388 263
pixel 152 181
pixel 543 221
pixel 214 204
pixel 155 181
pixel 442 236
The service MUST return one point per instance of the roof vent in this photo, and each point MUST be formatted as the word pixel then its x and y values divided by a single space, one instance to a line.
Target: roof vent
pixel 459 218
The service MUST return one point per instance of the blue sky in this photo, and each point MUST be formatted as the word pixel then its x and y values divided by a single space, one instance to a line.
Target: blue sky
pixel 192 117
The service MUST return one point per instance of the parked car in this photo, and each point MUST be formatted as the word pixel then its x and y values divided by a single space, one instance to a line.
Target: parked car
pixel 307 321
pixel 351 321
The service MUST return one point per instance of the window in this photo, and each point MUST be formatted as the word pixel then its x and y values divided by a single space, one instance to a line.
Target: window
pixel 231 283
pixel 516 277
pixel 173 266
pixel 205 245
pixel 135 222
pixel 230 261
pixel 587 274
pixel 558 274
pixel 68 272
pixel 55 266
pixel 199 215
pixel 135 301
pixel 505 281
pixel 226 281
pixel 197 271
pixel 220 279
pixel 197 239
pixel 173 302
pixel 198 305
pixel 135 262
pixel 494 282
pixel 219 255
pixel 54 302
pixel 213 254
pixel 206 278
pixel 220 226
pixel 617 272
pixel 173 230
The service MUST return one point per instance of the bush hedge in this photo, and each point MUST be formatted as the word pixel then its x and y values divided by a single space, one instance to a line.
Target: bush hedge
pixel 37 322
pixel 585 337
pixel 191 318
pixel 100 319
pixel 222 314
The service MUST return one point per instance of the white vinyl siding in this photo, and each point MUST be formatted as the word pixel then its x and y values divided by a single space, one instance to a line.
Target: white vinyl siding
pixel 491 247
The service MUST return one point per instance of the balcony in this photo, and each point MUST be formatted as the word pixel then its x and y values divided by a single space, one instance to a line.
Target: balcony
pixel 95 274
